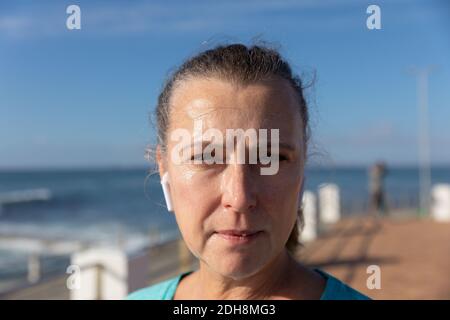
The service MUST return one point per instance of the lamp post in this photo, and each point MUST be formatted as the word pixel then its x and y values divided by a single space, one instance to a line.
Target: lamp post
pixel 423 138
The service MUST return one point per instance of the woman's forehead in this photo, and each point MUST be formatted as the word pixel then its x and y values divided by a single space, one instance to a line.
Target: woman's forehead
pixel 264 104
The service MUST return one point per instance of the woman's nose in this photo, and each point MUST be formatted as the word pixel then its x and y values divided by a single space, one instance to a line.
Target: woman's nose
pixel 238 189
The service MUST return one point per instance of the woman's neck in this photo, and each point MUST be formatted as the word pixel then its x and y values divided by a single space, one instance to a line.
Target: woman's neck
pixel 271 282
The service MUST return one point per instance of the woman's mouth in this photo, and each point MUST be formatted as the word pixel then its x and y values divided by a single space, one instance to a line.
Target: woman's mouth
pixel 238 236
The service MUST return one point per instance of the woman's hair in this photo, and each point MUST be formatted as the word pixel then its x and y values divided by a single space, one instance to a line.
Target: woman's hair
pixel 243 65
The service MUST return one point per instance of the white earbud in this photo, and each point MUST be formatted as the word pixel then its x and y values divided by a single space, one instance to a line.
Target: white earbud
pixel 166 191
pixel 302 189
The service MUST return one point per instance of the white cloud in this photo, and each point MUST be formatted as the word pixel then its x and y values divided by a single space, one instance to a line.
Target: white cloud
pixel 14 25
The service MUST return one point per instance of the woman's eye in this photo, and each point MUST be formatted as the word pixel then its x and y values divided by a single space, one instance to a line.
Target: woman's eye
pixel 206 159
pixel 196 157
pixel 281 157
pixel 266 161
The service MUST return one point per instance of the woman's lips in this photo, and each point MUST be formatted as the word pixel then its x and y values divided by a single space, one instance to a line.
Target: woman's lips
pixel 238 237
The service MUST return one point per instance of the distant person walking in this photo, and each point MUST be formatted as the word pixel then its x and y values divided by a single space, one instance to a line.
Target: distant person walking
pixel 377 173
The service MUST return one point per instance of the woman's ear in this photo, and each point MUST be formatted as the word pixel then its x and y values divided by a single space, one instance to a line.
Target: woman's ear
pixel 160 161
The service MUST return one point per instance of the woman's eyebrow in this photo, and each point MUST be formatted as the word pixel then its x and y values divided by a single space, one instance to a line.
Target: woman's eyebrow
pixel 206 143
pixel 203 144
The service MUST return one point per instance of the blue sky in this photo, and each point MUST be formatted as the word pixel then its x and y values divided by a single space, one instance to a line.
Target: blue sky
pixel 83 97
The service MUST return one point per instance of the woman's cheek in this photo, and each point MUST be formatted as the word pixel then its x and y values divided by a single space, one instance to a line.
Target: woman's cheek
pixel 279 189
pixel 280 199
pixel 193 207
pixel 190 230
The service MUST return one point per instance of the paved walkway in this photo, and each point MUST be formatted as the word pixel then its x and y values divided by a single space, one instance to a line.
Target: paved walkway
pixel 413 255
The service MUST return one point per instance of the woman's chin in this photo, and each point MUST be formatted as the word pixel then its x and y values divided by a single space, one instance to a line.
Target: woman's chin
pixel 236 266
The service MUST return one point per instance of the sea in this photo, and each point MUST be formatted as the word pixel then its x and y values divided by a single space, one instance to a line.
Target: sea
pixel 108 206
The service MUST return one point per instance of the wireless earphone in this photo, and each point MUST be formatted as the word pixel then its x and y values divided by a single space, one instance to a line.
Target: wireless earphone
pixel 166 191
pixel 302 189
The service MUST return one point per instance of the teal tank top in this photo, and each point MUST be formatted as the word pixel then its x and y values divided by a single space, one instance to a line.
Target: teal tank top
pixel 334 290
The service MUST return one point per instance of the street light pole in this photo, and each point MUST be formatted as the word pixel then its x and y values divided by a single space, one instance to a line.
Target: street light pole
pixel 423 138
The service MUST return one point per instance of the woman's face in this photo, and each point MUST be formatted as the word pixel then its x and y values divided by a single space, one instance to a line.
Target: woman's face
pixel 215 202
